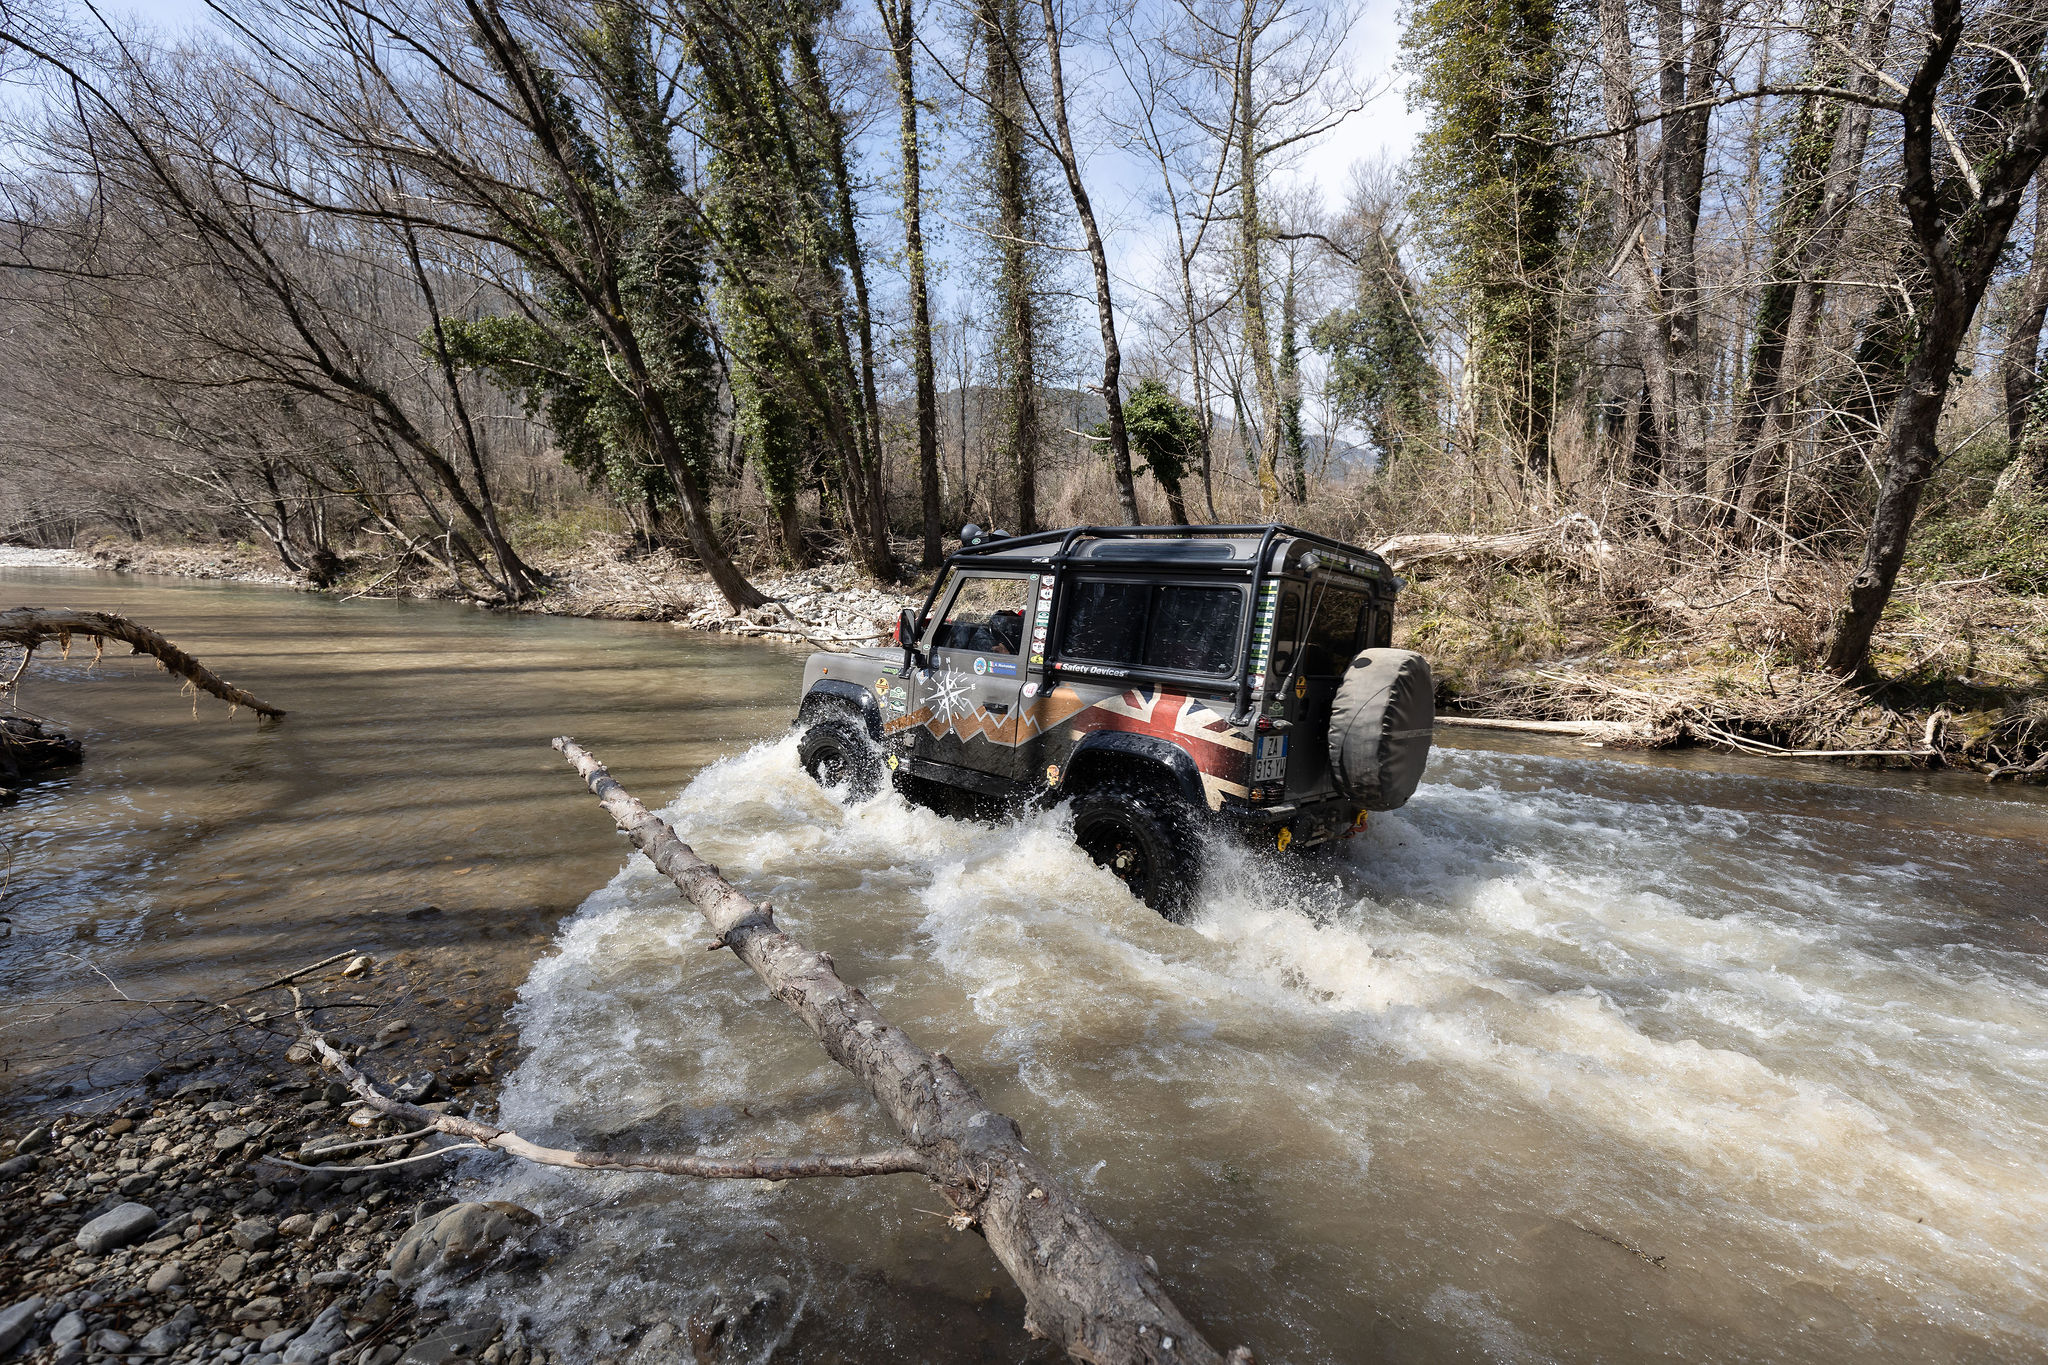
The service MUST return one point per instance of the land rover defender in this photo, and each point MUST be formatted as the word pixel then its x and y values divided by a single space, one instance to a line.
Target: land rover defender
pixel 1158 678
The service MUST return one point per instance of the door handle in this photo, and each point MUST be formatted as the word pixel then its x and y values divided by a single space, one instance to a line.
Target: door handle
pixel 997 708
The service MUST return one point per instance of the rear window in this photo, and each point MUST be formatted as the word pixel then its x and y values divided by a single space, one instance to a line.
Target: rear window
pixel 1187 629
pixel 1333 636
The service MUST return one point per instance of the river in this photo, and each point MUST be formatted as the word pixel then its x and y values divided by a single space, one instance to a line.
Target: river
pixel 1582 1055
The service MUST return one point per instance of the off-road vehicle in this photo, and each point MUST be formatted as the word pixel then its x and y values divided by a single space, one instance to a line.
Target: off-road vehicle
pixel 1157 678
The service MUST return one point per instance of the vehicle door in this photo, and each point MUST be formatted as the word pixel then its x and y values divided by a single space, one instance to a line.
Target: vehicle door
pixel 1334 616
pixel 969 692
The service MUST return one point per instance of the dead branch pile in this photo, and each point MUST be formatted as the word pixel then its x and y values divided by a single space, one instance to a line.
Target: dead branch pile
pixel 31 627
pixel 1081 1287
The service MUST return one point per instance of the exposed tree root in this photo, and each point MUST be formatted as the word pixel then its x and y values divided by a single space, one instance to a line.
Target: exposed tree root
pixel 29 627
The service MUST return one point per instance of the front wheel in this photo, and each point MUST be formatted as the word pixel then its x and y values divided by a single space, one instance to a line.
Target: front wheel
pixel 1146 837
pixel 837 752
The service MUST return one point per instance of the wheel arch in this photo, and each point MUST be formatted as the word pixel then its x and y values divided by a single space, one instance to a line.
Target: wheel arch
pixel 835 694
pixel 1110 754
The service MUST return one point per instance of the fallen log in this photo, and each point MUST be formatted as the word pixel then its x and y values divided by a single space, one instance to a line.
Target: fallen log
pixel 1082 1289
pixel 30 627
pixel 1597 729
pixel 1573 541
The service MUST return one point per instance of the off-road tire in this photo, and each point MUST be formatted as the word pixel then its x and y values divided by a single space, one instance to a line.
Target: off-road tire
pixel 1147 837
pixel 837 752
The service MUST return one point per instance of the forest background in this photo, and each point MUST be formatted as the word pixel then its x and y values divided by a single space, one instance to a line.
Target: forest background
pixel 1689 359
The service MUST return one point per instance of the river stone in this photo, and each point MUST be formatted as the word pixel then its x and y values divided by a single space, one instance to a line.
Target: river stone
pixel 168 1274
pixel 19 1165
pixel 254 1234
pixel 70 1327
pixel 227 1139
pixel 259 1309
pixel 323 1336
pixel 34 1140
pixel 107 1341
pixel 168 1337
pixel 18 1320
pixel 117 1227
pixel 299 1225
pixel 460 1235
pixel 231 1267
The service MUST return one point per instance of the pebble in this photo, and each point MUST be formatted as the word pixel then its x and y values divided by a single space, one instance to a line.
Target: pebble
pixel 259 1308
pixel 34 1140
pixel 169 1336
pixel 168 1274
pixel 117 1227
pixel 299 1225
pixel 227 1139
pixel 107 1341
pixel 230 1268
pixel 69 1328
pixel 254 1234
pixel 325 1335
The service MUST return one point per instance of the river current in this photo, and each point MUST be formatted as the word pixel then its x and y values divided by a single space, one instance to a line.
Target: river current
pixel 1579 1056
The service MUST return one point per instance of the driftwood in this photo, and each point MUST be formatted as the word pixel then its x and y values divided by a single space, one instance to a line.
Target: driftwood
pixel 1081 1287
pixel 1573 541
pixel 30 627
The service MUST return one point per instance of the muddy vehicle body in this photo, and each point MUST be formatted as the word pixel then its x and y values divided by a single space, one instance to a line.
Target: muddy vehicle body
pixel 1159 678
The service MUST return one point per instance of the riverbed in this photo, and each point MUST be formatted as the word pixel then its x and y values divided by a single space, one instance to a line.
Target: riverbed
pixel 1582 1055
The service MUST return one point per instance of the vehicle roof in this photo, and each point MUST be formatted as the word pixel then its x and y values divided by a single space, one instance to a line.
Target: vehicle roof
pixel 1177 547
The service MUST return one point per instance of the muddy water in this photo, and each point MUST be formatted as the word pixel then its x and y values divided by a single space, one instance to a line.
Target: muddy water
pixel 1578 1057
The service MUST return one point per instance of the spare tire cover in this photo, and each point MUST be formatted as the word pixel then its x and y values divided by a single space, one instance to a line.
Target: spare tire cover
pixel 1380 727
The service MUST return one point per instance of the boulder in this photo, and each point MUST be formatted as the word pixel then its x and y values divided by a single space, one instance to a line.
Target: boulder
pixel 325 1335
pixel 117 1227
pixel 18 1320
pixel 169 1336
pixel 458 1236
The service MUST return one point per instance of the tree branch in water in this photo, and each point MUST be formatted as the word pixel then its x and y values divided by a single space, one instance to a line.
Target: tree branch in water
pixel 29 627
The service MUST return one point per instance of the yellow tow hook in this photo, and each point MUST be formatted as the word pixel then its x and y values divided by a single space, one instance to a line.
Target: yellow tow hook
pixel 1283 838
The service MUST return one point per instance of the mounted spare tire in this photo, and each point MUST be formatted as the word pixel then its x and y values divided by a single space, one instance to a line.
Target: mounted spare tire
pixel 1380 727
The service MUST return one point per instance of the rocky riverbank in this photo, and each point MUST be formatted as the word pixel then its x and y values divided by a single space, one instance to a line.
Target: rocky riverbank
pixel 166 1232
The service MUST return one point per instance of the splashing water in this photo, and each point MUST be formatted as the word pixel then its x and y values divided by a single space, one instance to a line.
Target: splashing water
pixel 1570 1058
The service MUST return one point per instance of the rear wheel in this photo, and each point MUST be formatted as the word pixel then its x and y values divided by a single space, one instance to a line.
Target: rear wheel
pixel 837 752
pixel 1145 836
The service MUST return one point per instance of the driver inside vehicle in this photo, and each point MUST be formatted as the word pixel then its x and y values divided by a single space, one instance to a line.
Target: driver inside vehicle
pixel 986 617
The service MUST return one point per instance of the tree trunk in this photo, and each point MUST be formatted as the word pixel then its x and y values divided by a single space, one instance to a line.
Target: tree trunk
pixel 1250 282
pixel 1803 186
pixel 1098 260
pixel 899 21
pixel 1016 283
pixel 1082 1289
pixel 1816 260
pixel 1961 248
pixel 2020 364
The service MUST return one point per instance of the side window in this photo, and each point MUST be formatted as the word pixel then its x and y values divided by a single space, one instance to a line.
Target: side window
pixel 1105 622
pixel 1286 631
pixel 1194 629
pixel 1333 634
pixel 986 616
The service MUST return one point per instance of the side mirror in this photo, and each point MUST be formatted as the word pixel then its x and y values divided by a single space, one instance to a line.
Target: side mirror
pixel 906 635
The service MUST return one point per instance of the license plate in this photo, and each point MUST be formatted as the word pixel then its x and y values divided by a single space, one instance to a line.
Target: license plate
pixel 1271 763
